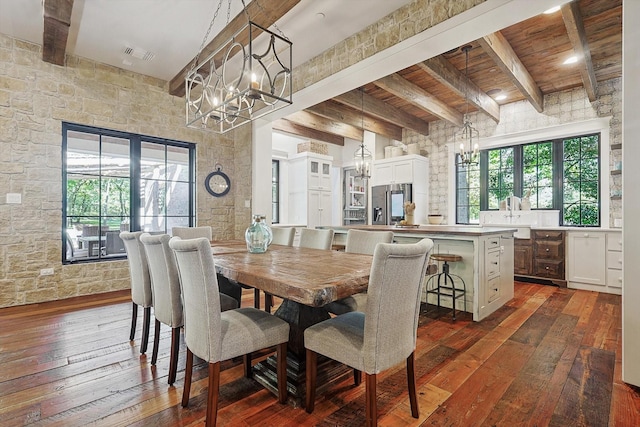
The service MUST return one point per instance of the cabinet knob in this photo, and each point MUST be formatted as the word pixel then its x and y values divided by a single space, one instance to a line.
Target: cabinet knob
pixel 496 262
pixel 547 249
pixel 546 268
pixel 620 261
pixel 620 279
pixel 546 235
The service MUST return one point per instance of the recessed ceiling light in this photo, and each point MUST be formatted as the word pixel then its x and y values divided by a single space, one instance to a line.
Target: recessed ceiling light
pixel 492 92
pixel 571 60
pixel 501 97
pixel 554 9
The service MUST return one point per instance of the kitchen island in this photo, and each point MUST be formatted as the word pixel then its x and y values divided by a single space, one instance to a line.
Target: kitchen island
pixel 487 260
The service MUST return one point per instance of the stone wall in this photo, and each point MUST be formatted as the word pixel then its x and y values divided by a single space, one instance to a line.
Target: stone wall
pixel 35 98
pixel 560 108
pixel 400 25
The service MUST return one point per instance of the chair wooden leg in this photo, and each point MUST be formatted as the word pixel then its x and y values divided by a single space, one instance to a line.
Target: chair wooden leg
pixel 411 382
pixel 175 350
pixel 134 318
pixel 268 302
pixel 256 298
pixel 357 377
pixel 246 359
pixel 372 405
pixel 156 342
pixel 187 379
pixel 312 368
pixel 212 395
pixel 145 330
pixel 282 372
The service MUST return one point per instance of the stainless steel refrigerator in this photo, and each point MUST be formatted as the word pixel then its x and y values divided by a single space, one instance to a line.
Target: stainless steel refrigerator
pixel 387 202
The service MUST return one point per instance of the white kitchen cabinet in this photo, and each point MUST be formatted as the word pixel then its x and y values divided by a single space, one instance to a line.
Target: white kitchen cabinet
pixel 310 198
pixel 586 260
pixel 409 169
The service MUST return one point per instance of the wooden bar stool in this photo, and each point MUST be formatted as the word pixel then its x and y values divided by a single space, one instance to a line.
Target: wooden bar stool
pixel 443 283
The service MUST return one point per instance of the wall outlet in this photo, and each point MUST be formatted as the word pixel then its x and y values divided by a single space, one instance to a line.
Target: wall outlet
pixel 46 272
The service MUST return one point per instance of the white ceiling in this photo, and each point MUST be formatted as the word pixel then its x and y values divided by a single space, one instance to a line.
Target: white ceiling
pixel 172 30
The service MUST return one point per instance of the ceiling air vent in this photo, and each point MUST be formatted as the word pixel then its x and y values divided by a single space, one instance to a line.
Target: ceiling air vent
pixel 139 53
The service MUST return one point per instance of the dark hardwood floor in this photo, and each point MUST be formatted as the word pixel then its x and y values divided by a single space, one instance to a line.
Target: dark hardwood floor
pixel 550 357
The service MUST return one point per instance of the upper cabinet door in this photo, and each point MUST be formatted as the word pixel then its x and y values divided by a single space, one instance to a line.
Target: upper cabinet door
pixel 319 175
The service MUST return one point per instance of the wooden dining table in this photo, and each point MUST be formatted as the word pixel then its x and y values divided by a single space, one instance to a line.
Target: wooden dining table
pixel 306 280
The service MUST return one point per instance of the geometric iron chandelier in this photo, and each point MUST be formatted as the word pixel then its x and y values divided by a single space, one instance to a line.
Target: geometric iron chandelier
pixel 244 78
pixel 468 136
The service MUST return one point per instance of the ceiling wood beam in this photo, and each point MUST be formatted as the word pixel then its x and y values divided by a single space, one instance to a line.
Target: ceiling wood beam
pixel 403 88
pixel 57 20
pixel 379 109
pixel 284 125
pixel 445 73
pixel 499 49
pixel 575 29
pixel 335 111
pixel 265 17
pixel 322 124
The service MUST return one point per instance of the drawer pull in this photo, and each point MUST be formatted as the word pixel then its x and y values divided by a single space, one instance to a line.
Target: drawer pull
pixel 547 236
pixel 546 268
pixel 494 242
pixel 496 262
pixel 547 250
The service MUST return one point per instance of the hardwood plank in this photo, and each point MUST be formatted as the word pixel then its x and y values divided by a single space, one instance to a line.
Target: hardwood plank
pixel 586 397
pixel 483 389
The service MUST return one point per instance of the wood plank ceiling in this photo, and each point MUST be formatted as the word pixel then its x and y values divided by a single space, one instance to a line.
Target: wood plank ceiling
pixel 524 61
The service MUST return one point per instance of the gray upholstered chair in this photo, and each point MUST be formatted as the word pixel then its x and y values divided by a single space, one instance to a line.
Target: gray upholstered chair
pixel 283 235
pixel 213 335
pixel 316 239
pixel 226 286
pixel 192 232
pixel 141 293
pixel 359 242
pixel 167 299
pixel 385 334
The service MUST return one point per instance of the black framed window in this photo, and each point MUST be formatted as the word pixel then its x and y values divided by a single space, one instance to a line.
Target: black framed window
pixel 114 181
pixel 467 193
pixel 561 174
pixel 275 191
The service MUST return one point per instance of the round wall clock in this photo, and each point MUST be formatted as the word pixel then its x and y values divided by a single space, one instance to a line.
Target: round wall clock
pixel 217 182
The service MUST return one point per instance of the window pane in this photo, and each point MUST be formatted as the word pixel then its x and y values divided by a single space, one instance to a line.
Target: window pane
pixel 152 197
pixel 116 196
pixel 83 193
pixel 83 153
pixel 581 181
pixel 467 193
pixel 177 163
pixel 500 176
pixel 177 202
pixel 152 161
pixel 114 159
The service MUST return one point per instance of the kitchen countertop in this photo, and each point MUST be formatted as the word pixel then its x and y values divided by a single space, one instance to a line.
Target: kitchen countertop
pixel 464 230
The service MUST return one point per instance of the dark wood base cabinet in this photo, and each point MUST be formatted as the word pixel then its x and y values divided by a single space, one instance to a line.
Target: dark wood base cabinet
pixel 541 257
